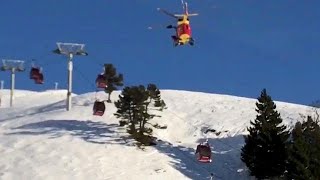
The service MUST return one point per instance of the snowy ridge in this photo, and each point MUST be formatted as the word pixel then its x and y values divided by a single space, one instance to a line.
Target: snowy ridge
pixel 39 139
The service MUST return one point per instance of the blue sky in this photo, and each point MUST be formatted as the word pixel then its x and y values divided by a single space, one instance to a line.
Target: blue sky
pixel 241 46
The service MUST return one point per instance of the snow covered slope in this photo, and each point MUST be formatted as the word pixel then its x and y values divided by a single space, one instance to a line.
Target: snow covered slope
pixel 40 140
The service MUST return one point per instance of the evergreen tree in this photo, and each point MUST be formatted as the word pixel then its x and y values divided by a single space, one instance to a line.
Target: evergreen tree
pixel 298 159
pixel 304 151
pixel 311 136
pixel 113 79
pixel 139 96
pixel 154 100
pixel 265 151
pixel 126 110
pixel 134 109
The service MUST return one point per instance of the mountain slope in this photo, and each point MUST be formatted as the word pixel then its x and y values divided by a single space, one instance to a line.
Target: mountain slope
pixel 39 139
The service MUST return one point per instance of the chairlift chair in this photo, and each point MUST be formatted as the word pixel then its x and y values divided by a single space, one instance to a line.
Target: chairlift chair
pixel 98 108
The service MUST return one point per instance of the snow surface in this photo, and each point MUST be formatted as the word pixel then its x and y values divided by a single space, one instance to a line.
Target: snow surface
pixel 40 140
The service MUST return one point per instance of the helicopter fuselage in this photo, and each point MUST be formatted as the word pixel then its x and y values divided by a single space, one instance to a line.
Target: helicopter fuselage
pixel 183 30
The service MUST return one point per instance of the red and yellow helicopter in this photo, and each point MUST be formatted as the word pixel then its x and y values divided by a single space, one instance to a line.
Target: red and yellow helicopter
pixel 183 28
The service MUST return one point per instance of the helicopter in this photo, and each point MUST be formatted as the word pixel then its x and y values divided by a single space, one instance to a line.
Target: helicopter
pixel 182 28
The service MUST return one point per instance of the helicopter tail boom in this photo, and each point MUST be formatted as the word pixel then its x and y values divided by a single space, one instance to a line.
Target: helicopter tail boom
pixel 186 10
pixel 185 7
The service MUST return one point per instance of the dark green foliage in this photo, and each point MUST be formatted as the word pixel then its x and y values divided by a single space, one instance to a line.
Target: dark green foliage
pixel 154 95
pixel 265 151
pixel 125 108
pixel 134 109
pixel 298 160
pixel 113 79
pixel 311 134
pixel 304 151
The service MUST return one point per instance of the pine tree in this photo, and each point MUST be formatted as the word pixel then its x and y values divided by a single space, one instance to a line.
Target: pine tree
pixel 134 106
pixel 265 151
pixel 126 110
pixel 311 135
pixel 304 151
pixel 298 158
pixel 153 99
pixel 139 95
pixel 112 78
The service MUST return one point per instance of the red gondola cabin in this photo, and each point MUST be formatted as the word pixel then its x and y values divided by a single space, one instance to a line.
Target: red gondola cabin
pixel 39 79
pixel 34 73
pixel 98 108
pixel 101 81
pixel 203 153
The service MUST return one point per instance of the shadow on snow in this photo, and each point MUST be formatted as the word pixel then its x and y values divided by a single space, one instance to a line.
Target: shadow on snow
pixel 225 152
pixel 60 105
pixel 93 132
pixel 36 110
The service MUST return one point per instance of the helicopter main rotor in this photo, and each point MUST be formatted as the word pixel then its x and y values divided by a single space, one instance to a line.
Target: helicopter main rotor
pixel 167 13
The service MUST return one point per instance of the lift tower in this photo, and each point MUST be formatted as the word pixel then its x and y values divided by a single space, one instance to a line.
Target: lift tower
pixel 13 66
pixel 70 50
